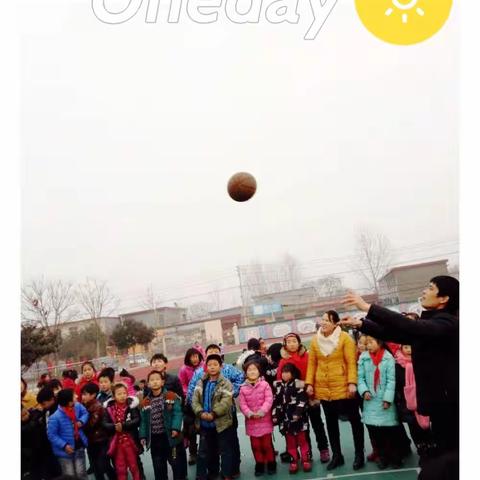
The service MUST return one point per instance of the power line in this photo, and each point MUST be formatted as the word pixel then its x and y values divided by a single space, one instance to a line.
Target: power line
pixel 203 294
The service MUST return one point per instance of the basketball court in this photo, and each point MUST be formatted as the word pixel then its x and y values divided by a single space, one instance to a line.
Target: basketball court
pixel 409 471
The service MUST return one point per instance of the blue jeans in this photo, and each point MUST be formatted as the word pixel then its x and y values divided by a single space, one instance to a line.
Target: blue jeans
pixel 74 465
pixel 213 445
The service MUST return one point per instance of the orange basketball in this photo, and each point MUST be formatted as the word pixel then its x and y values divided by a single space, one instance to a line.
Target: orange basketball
pixel 242 186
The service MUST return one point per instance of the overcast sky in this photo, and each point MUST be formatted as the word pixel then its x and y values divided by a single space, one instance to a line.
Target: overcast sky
pixel 130 133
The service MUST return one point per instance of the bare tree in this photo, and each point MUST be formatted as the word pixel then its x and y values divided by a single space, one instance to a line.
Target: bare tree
pixel 259 279
pixel 49 303
pixel 216 298
pixel 97 300
pixel 327 286
pixel 199 310
pixel 373 257
pixel 290 269
pixel 150 301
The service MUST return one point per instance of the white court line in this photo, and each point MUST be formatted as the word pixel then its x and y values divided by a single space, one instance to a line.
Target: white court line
pixel 349 475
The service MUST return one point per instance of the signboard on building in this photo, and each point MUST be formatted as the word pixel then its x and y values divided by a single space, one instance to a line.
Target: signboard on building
pixel 267 309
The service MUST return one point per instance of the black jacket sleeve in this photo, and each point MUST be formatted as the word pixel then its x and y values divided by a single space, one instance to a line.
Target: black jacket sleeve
pixel 107 422
pixel 381 332
pixel 443 324
pixel 175 385
pixel 134 422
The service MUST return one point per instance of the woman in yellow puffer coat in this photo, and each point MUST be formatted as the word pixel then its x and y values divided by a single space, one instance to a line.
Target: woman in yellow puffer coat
pixel 332 379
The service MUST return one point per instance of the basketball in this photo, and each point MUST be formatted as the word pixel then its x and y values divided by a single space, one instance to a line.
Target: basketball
pixel 242 186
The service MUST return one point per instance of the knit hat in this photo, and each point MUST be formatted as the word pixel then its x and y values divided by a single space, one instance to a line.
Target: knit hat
pixel 214 356
pixel 292 334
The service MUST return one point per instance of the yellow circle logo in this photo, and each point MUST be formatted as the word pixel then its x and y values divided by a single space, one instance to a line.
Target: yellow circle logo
pixel 403 22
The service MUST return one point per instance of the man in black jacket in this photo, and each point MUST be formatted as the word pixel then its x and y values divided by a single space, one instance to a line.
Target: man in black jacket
pixel 435 352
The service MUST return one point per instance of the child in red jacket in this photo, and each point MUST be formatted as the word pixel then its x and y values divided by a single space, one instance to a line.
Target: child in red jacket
pixel 89 375
pixel 122 419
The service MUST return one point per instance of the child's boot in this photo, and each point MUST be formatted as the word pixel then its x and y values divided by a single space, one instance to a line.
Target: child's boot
pixel 286 457
pixel 259 469
pixel 272 468
pixel 325 455
pixel 373 457
pixel 293 467
pixel 307 465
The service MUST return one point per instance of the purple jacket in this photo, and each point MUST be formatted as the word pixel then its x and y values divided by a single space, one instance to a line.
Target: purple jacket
pixel 257 398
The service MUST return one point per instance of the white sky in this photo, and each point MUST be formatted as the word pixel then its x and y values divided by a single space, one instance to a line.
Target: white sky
pixel 130 133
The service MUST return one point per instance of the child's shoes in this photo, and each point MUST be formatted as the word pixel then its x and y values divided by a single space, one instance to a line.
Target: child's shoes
pixel 272 468
pixel 325 455
pixel 293 468
pixel 307 466
pixel 259 469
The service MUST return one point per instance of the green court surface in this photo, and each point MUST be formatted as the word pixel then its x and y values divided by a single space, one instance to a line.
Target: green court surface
pixel 409 470
pixel 319 472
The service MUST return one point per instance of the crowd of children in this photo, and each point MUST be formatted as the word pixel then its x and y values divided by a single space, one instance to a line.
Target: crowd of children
pixel 283 386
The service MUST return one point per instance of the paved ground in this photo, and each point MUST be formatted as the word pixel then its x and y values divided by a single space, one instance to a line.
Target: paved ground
pixel 319 472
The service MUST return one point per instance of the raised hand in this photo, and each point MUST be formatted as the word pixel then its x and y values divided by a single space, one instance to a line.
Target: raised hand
pixel 352 299
pixel 351 322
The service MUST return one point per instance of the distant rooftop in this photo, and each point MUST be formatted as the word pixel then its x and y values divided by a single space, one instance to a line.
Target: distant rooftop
pixel 414 265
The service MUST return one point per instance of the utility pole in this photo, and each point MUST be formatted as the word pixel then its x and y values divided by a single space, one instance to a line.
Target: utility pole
pixel 242 296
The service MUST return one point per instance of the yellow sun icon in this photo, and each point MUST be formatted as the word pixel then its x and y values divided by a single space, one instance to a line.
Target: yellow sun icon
pixel 403 22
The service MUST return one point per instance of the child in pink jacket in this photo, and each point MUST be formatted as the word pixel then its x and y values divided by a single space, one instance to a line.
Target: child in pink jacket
pixel 256 400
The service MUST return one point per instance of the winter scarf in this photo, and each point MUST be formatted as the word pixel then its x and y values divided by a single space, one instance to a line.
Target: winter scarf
pixel 328 344
pixel 70 412
pixel 376 359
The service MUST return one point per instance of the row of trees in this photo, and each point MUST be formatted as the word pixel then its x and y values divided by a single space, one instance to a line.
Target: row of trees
pixel 49 304
pixel 46 305
pixel 37 341
pixel 371 260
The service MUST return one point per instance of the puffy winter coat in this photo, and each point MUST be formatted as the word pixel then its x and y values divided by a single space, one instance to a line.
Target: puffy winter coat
pixel 232 374
pixel 330 375
pixel 299 359
pixel 221 403
pixel 185 375
pixel 29 400
pixel 257 398
pixel 253 356
pixel 129 425
pixel 373 411
pixel 289 410
pixel 83 381
pixel 69 383
pixel 60 430
pixel 172 418
pixel 94 429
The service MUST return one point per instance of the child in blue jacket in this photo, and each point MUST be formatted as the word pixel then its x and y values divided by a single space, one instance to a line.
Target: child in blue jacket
pixel 65 432
pixel 376 385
